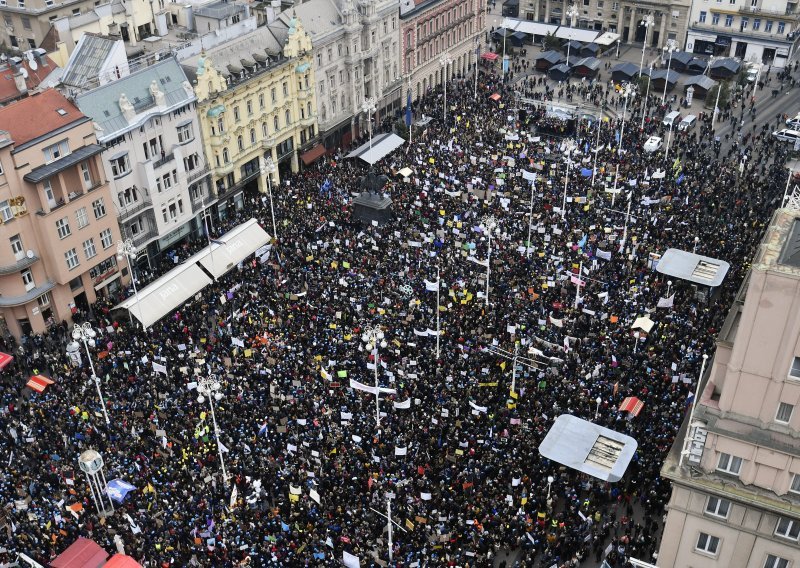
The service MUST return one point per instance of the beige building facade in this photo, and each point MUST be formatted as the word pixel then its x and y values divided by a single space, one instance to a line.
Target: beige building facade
pixel 59 232
pixel 736 473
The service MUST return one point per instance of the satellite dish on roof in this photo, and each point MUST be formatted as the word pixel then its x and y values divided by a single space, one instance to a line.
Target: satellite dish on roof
pixel 29 55
pixel 24 72
pixel 33 65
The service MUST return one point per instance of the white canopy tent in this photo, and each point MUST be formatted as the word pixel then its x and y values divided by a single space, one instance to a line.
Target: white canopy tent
pixel 607 39
pixel 528 27
pixel 382 145
pixel 161 297
pixel 576 34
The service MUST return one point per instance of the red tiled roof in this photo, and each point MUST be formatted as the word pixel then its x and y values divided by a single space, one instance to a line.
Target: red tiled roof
pixel 122 561
pixel 83 553
pixel 8 88
pixel 37 115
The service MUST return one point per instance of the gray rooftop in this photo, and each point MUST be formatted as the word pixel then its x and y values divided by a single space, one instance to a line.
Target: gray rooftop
pixel 265 40
pixel 588 447
pixel 102 103
pixel 218 10
pixel 702 81
pixel 693 267
pixel 86 61
pixel 319 17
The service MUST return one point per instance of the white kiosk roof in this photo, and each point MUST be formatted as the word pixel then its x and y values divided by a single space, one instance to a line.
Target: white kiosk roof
pixel 588 448
pixel 693 267
pixel 576 34
pixel 381 145
pixel 528 27
pixel 607 38
pixel 233 247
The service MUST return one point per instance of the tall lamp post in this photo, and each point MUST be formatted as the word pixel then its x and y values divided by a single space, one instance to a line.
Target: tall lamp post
pixel 209 387
pixel 646 96
pixel 127 249
pixel 268 168
pixel 445 61
pixel 369 108
pixel 571 13
pixel 85 333
pixel 489 225
pixel 373 337
pixel 550 481
pixel 626 92
pixel 598 400
pixel 648 22
pixel 672 45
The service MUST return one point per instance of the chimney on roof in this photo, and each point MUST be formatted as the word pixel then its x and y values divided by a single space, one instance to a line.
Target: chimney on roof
pixel 19 81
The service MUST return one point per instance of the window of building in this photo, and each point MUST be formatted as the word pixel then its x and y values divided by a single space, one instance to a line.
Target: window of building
pixel 264 129
pixel 252 136
pixel 784 413
pixel 71 257
pixel 240 142
pixel 236 113
pixel 729 464
pixel 744 24
pixel 272 94
pixel 225 157
pixel 728 21
pixel 787 528
pixel 275 123
pixel 775 562
pixel 795 486
pixel 261 101
pixel 794 372
pixel 707 543
pixel 43 300
pixel 62 226
pixel 121 166
pixel 768 27
pixel 86 175
pixel 166 181
pixel 106 238
pixel 718 507
pixel 56 151
pixel 26 22
pixel 82 217
pixel 99 208
pixel 249 105
pixel 185 133
pixel 756 24
pixel 702 17
pixel 27 279
pixel 19 250
pixel 5 211
pixel 89 249
pixel 781 27
pixel 714 19
pixel 288 117
pixel 285 89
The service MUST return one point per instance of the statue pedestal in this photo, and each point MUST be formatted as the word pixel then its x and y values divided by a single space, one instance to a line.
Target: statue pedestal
pixel 369 207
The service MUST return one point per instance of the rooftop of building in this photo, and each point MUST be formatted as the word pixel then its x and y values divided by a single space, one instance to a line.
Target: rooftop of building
pixel 33 117
pixel 319 17
pixel 219 10
pixel 87 60
pixel 8 87
pixel 779 250
pixel 102 103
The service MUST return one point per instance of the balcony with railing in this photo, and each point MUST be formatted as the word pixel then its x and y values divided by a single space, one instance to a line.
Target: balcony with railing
pixel 790 10
pixel 21 264
pixel 238 185
pixel 144 236
pixel 164 160
pixel 196 175
pixel 135 207
pixel 735 31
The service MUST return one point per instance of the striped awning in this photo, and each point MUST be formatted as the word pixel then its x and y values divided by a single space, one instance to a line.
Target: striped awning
pixel 39 383
pixel 5 360
pixel 632 405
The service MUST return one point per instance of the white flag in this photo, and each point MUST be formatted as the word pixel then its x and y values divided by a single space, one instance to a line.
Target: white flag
pixel 314 495
pixel 603 254
pixel 425 496
pixel 354 384
pixel 350 561
pixel 403 405
pixel 476 261
pixel 398 451
pixel 234 495
pixel 478 408
pixel 158 368
pixel 295 490
pixel 222 447
pixel 666 302
pixel 431 286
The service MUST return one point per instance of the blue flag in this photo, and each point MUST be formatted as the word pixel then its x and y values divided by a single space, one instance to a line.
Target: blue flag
pixel 408 110
pixel 679 180
pixel 325 188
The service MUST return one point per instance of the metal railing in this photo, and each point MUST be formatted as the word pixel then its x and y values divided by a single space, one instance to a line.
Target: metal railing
pixel 198 174
pixel 145 236
pixel 164 160
pixel 136 207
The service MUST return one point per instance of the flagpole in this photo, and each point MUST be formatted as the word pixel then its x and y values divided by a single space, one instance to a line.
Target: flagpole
pixel 597 146
pixel 530 219
pixel 503 66
pixel 514 370
pixel 389 524
pixel 614 193
pixel 625 231
pixel 477 56
pixel 438 329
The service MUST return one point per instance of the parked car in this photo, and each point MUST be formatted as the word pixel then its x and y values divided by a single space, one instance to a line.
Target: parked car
pixel 794 122
pixel 787 135
pixel 653 144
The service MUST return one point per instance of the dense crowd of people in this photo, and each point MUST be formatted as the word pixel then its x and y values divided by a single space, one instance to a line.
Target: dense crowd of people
pixel 310 462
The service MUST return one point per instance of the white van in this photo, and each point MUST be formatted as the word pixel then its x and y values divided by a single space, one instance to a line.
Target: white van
pixel 688 122
pixel 793 123
pixel 672 118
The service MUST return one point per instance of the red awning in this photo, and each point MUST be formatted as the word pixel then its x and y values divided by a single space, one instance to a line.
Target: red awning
pixel 489 56
pixel 39 383
pixel 632 405
pixel 5 360
pixel 83 553
pixel 313 154
pixel 122 561
pixel 495 97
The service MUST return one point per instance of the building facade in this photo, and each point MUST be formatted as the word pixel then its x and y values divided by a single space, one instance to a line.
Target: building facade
pixel 153 155
pixel 59 233
pixel 28 22
pixel 736 476
pixel 763 31
pixel 356 57
pixel 621 17
pixel 434 29
pixel 255 101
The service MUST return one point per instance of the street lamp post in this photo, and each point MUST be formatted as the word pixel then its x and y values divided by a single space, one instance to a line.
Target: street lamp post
pixel 571 13
pixel 209 387
pixel 597 145
pixel 489 225
pixel 626 92
pixel 368 106
pixel 672 45
pixel 648 21
pixel 373 337
pixel 268 168
pixel 598 400
pixel 646 96
pixel 86 334
pixel 445 61
pixel 550 481
pixel 127 249
pixel 568 163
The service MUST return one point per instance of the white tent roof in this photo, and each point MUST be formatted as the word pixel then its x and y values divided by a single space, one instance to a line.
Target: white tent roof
pixel 693 267
pixel 533 28
pixel 381 146
pixel 233 247
pixel 607 38
pixel 167 293
pixel 184 281
pixel 577 34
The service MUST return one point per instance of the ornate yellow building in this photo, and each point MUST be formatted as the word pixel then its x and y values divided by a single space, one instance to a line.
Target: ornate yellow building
pixel 255 101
